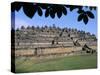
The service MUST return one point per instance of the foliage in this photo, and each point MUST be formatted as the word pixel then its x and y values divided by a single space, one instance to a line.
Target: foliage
pixel 53 9
pixel 85 15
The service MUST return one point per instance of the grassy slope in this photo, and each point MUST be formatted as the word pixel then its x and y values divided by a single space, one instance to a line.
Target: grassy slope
pixel 65 63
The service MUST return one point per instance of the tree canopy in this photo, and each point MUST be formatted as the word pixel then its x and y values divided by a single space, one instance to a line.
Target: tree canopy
pixel 53 9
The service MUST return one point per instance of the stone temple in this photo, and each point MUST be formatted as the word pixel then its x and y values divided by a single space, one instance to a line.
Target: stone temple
pixel 46 41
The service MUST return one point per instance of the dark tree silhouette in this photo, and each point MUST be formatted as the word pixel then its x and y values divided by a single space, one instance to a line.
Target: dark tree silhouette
pixel 53 9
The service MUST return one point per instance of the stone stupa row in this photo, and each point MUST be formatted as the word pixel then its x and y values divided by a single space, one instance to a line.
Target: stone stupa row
pixel 41 37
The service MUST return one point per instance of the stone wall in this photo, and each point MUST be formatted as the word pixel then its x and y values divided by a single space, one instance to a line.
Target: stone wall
pixel 51 41
pixel 51 51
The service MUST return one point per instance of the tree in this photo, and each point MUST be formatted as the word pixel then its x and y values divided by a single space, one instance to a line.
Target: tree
pixel 54 9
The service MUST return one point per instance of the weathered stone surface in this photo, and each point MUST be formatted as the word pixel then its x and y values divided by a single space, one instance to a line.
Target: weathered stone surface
pixel 51 40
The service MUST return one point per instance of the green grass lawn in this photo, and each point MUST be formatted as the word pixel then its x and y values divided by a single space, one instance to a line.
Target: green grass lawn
pixel 63 63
